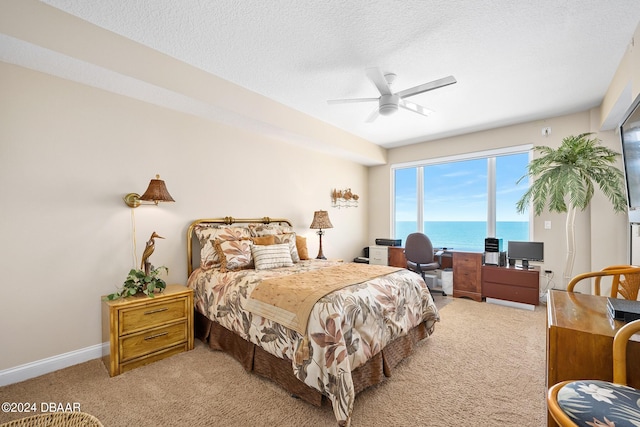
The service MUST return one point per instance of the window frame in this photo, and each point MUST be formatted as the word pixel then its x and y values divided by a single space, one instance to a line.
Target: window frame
pixel 489 155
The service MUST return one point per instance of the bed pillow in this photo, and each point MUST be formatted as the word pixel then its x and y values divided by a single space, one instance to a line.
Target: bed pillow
pixel 289 239
pixel 234 254
pixel 301 246
pixel 264 240
pixel 268 229
pixel 271 256
pixel 207 236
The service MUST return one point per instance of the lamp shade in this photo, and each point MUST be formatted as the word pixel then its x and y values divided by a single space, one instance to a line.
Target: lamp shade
pixel 321 220
pixel 157 192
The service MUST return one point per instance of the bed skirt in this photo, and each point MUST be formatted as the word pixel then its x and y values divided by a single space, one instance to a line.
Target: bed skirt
pixel 255 359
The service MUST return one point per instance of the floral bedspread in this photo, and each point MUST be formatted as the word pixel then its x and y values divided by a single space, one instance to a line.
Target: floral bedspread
pixel 346 328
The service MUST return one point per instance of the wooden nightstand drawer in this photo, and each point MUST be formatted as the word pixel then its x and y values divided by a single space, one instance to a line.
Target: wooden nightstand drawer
pixel 153 357
pixel 148 316
pixel 152 340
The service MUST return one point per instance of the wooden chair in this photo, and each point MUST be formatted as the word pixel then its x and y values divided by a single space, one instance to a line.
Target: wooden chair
pixel 625 281
pixel 572 403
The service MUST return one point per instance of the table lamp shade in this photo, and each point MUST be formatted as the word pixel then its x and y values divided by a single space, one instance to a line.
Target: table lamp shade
pixel 321 220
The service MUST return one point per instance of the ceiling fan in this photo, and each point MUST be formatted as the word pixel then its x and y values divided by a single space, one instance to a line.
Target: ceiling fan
pixel 388 102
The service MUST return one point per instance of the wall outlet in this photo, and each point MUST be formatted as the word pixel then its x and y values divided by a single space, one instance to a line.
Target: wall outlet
pixel 548 272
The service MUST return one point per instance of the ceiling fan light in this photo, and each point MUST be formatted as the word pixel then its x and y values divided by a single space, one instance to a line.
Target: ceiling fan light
pixel 388 104
pixel 387 110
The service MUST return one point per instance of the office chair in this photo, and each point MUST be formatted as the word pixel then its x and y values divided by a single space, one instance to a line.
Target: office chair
pixel 419 253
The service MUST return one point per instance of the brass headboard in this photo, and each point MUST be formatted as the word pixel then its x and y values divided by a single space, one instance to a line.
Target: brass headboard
pixel 227 220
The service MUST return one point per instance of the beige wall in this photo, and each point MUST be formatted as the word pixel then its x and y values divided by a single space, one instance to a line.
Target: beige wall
pixel 69 152
pixel 600 234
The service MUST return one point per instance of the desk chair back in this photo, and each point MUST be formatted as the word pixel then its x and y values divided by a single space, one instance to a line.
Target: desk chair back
pixel 419 250
pixel 419 253
pixel 625 281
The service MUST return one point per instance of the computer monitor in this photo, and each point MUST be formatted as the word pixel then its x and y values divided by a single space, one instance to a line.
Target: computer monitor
pixel 525 252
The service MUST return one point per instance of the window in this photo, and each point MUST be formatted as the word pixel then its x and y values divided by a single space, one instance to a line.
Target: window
pixel 459 201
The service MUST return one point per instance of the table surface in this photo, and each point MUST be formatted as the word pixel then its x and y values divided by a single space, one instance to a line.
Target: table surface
pixel 582 313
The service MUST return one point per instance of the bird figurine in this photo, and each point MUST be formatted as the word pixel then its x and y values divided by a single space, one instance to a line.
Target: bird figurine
pixel 148 250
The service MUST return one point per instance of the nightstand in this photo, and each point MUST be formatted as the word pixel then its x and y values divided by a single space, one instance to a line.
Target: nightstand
pixel 141 330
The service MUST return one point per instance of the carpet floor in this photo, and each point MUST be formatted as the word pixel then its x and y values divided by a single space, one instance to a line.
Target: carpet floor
pixel 483 366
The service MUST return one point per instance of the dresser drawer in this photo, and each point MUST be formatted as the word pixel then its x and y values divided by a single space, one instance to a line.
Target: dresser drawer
pixel 511 293
pixel 511 276
pixel 151 340
pixel 466 262
pixel 150 315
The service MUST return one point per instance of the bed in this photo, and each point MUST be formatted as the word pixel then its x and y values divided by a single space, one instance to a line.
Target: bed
pixel 323 330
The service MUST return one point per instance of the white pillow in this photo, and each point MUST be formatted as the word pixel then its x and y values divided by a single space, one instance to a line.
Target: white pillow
pixel 290 239
pixel 271 256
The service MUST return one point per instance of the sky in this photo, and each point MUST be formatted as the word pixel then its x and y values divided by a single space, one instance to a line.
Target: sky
pixel 457 191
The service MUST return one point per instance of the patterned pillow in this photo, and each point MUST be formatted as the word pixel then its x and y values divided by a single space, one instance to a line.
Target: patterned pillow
pixel 258 230
pixel 271 256
pixel 234 254
pixel 207 235
pixel 290 239
pixel 301 246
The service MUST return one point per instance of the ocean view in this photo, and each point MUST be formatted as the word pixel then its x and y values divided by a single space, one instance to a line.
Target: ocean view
pixel 464 235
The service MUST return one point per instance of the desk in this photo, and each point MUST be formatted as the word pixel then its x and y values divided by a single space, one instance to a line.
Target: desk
pixel 580 340
pixel 397 258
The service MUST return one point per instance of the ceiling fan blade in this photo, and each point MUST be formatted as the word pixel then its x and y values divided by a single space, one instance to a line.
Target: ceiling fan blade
pixel 412 106
pixel 374 115
pixel 377 78
pixel 445 81
pixel 346 101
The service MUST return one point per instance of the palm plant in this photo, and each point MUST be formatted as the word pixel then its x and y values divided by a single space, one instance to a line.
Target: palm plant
pixel 563 181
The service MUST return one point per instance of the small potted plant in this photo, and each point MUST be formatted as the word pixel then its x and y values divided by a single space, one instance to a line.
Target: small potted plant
pixel 144 280
pixel 139 282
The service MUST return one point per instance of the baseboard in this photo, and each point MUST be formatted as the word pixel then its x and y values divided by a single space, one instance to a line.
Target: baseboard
pixel 511 304
pixel 50 364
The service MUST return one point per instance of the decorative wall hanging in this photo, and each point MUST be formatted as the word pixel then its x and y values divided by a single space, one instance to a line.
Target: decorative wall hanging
pixel 344 198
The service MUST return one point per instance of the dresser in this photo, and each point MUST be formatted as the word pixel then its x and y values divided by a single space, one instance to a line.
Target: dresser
pixel 141 330
pixel 511 284
pixel 467 275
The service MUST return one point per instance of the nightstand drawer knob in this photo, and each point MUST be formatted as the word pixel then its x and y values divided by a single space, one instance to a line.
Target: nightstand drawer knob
pixel 156 310
pixel 156 336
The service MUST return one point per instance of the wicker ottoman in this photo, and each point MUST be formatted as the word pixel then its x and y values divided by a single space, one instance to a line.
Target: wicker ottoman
pixel 56 419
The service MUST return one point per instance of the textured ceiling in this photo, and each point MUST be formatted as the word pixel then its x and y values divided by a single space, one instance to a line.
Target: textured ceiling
pixel 515 61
